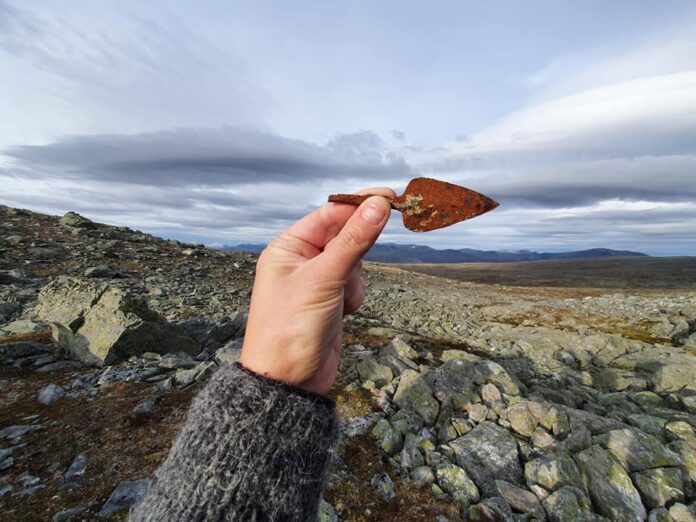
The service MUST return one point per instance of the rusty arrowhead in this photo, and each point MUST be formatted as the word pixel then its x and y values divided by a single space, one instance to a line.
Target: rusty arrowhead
pixel 429 204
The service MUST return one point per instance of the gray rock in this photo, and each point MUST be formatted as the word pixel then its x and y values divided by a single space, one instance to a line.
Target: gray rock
pixel 59 365
pixel 611 489
pixel 16 432
pixel 524 416
pixel 488 453
pixel 125 495
pixel 75 220
pixel 370 370
pixel 67 514
pixel 422 476
pixel 387 437
pixel 494 508
pixel 50 394
pixel 6 460
pixel 568 504
pixel 99 272
pixel 76 470
pixel 229 354
pixel 637 450
pixel 659 486
pixel 23 326
pixel 384 486
pixel 675 377
pixel 406 420
pixel 680 513
pixel 454 480
pixel 104 325
pixel 553 472
pixel 7 310
pixel 414 393
pixel 520 499
pixel 326 513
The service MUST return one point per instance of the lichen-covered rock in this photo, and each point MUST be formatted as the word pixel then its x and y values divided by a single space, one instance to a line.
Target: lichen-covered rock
pixel 387 437
pixel 524 416
pixel 488 453
pixel 454 480
pixel 568 504
pixel 553 472
pixel 75 220
pixel 384 486
pixel 103 325
pixel 637 450
pixel 493 508
pixel 370 370
pixel 659 486
pixel 422 476
pixel 414 393
pixel 520 499
pixel 610 487
pixel 676 377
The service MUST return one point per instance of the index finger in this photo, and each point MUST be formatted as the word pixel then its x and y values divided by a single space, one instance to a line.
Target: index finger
pixel 322 225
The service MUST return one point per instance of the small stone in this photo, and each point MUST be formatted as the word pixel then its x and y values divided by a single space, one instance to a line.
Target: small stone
pixel 16 432
pixel 326 513
pixel 370 370
pixel 385 486
pixel 76 470
pixel 387 437
pixel 125 495
pixel 422 476
pixel 494 508
pixel 50 394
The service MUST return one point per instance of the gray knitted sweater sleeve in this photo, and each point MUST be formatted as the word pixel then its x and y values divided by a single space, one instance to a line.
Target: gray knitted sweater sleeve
pixel 252 449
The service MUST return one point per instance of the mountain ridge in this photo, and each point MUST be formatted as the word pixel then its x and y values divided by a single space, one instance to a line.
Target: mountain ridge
pixel 395 253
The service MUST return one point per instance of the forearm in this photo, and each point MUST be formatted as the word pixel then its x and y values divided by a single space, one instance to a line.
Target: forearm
pixel 251 449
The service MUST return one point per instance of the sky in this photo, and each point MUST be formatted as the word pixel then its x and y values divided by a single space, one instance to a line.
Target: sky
pixel 223 122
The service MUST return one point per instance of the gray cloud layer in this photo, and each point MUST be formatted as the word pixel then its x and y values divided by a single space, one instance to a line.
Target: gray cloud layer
pixel 211 157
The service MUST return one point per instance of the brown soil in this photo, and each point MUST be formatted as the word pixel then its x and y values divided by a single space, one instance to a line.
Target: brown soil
pixel 117 446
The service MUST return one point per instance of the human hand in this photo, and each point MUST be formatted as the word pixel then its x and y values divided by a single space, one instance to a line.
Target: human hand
pixel 307 279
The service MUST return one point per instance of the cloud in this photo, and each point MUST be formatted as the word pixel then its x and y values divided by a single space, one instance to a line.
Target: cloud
pixel 649 178
pixel 219 157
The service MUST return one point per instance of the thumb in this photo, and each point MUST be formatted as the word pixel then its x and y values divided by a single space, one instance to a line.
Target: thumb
pixel 355 238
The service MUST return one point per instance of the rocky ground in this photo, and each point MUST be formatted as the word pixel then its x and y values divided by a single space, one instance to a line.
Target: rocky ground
pixel 459 401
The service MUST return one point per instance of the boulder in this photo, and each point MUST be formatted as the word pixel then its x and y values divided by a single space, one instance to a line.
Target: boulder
pixel 414 393
pixel 520 499
pixel 675 377
pixel 454 480
pixel 659 486
pixel 637 450
pixel 488 453
pixel 611 489
pixel 103 325
pixel 568 504
pixel 75 220
pixel 370 370
pixel 553 472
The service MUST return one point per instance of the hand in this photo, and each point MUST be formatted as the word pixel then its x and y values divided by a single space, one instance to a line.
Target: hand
pixel 307 279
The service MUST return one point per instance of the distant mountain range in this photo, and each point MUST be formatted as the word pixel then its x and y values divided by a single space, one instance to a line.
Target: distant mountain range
pixel 393 253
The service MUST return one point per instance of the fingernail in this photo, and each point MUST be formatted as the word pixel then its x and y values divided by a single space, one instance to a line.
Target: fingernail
pixel 373 213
